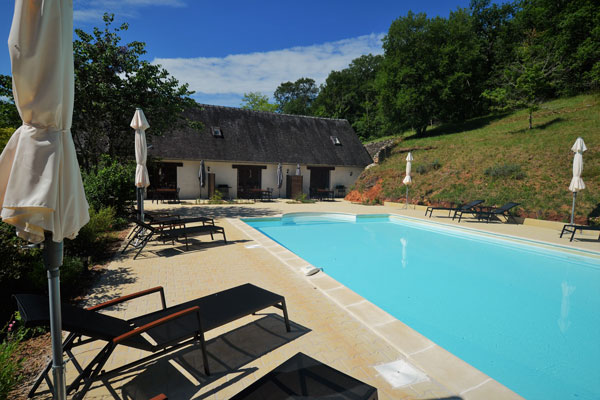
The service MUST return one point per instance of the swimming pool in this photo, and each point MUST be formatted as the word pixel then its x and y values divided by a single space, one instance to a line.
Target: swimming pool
pixel 525 313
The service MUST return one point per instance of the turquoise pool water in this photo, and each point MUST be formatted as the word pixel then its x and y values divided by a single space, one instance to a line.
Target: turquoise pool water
pixel 527 315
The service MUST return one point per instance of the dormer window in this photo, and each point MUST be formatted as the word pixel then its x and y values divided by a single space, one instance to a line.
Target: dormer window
pixel 216 131
pixel 335 140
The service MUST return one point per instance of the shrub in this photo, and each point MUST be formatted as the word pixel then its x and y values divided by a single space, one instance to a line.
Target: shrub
pixel 88 243
pixel 425 168
pixel 70 277
pixel 111 184
pixel 216 198
pixel 303 198
pixel 5 135
pixel 505 171
pixel 10 362
pixel 16 263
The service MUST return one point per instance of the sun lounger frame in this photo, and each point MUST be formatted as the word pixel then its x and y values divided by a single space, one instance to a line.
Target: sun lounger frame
pixel 146 232
pixel 193 318
pixel 572 228
pixel 504 210
pixel 468 208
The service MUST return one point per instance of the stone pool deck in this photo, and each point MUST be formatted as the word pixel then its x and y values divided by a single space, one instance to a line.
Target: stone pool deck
pixel 329 322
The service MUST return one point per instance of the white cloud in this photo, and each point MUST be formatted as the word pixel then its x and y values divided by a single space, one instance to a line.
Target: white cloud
pixel 237 74
pixel 93 10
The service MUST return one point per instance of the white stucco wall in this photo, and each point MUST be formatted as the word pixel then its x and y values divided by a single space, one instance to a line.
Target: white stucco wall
pixel 187 177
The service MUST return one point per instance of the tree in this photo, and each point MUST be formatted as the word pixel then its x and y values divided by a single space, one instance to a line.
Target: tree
pixel 529 79
pixel 111 80
pixel 350 94
pixel 571 29
pixel 258 102
pixel 431 70
pixel 9 116
pixel 297 97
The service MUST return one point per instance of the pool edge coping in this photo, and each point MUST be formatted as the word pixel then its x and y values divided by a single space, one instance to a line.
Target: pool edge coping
pixel 452 372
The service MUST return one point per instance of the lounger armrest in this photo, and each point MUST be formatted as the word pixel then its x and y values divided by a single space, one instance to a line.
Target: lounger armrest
pixel 131 297
pixel 158 322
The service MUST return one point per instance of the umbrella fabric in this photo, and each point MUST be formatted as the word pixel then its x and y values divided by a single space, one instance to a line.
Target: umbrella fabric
pixel 40 182
pixel 407 179
pixel 298 172
pixel 576 182
pixel 279 176
pixel 202 174
pixel 140 124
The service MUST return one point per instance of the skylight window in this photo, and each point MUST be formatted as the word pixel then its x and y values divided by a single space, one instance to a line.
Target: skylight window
pixel 335 140
pixel 217 132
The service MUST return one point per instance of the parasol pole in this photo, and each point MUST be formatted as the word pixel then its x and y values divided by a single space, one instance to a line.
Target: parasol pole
pixel 573 207
pixel 53 259
pixel 140 201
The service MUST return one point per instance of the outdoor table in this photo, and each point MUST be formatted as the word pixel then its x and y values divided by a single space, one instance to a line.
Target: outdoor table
pixel 325 194
pixel 303 377
pixel 167 194
pixel 260 194
pixel 340 191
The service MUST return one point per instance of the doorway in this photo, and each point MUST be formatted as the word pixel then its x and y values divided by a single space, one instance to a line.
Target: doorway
pixel 249 179
pixel 319 178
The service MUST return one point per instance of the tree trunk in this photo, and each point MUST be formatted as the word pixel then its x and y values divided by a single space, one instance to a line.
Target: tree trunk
pixel 530 119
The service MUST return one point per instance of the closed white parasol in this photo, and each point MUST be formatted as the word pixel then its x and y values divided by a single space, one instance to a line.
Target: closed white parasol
pixel 41 192
pixel 577 183
pixel 142 180
pixel 407 179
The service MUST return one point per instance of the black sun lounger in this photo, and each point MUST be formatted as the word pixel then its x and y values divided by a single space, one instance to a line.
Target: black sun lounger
pixel 303 377
pixel 495 212
pixel 170 328
pixel 145 232
pixel 572 228
pixel 465 207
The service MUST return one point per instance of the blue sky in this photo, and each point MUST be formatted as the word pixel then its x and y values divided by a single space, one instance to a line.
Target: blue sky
pixel 226 48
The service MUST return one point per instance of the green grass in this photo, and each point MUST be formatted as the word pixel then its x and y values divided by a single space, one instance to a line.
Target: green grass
pixel 497 158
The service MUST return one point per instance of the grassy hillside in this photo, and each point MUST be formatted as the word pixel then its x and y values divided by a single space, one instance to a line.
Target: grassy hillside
pixel 498 159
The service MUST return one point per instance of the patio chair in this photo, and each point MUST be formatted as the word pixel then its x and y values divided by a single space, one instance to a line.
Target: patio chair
pixel 496 212
pixel 169 328
pixel 145 232
pixel 303 377
pixel 572 228
pixel 461 208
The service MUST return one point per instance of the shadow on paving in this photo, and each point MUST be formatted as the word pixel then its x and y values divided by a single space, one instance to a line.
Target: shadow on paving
pixel 194 246
pixel 180 375
pixel 446 398
pixel 106 288
pixel 228 211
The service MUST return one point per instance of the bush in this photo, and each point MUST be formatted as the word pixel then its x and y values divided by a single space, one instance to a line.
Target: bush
pixel 302 198
pixel 10 362
pixel 70 277
pixel 425 168
pixel 5 135
pixel 111 184
pixel 88 243
pixel 16 264
pixel 505 171
pixel 216 198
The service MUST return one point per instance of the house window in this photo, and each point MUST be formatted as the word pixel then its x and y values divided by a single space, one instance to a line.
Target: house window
pixel 335 140
pixel 216 131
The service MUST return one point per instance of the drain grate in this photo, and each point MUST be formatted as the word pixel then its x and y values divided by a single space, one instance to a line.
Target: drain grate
pixel 400 373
